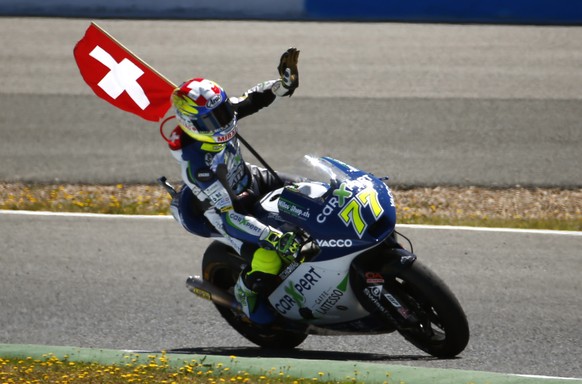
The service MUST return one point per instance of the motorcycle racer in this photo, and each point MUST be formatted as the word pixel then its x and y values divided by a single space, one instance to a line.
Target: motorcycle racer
pixel 220 187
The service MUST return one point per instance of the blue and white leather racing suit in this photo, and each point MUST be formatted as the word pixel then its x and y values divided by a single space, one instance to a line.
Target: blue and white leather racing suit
pixel 204 206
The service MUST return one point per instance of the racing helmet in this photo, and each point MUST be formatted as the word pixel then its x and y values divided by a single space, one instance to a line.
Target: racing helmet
pixel 204 111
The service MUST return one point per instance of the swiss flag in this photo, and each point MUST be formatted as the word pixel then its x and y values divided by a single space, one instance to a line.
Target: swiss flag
pixel 120 77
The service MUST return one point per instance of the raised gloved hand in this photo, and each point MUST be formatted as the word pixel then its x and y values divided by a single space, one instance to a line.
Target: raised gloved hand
pixel 288 71
pixel 285 244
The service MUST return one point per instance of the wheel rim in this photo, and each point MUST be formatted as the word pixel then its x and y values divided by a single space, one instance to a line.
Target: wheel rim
pixel 430 327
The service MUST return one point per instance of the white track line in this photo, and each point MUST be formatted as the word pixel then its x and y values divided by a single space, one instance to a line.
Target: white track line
pixel 167 217
pixel 488 229
pixel 547 377
pixel 79 214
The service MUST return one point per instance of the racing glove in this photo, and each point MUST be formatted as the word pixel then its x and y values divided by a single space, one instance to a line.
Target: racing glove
pixel 289 73
pixel 285 244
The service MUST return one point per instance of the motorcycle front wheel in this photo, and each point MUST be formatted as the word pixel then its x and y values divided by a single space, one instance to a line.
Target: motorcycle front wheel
pixel 441 329
pixel 221 266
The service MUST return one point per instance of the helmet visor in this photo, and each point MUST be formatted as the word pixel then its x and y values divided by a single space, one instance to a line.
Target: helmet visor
pixel 215 121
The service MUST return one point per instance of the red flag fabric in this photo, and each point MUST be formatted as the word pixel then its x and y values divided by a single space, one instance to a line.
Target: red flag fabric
pixel 117 75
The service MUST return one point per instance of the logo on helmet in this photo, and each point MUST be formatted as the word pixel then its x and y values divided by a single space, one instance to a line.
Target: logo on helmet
pixel 226 137
pixel 214 101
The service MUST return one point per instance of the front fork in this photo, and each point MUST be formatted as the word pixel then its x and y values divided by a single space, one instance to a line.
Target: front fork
pixel 373 277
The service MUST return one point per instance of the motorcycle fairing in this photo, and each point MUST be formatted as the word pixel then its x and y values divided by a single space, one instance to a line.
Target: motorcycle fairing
pixel 355 210
pixel 318 293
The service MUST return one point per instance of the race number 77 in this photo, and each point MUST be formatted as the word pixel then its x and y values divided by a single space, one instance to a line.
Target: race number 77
pixel 352 212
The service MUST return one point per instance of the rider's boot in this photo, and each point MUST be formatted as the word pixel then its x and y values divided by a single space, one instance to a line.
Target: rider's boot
pixel 255 283
pixel 253 304
pixel 245 296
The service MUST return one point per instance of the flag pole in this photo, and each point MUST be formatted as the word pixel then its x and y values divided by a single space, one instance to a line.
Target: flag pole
pixel 134 55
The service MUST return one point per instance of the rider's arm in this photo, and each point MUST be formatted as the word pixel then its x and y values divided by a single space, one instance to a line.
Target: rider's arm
pixel 236 227
pixel 256 98
pixel 221 212
pixel 263 94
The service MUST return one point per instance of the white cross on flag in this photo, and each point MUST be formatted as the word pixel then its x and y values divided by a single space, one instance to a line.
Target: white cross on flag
pixel 120 77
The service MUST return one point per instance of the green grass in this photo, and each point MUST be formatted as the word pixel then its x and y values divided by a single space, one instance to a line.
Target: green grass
pixel 157 369
pixel 523 223
pixel 534 208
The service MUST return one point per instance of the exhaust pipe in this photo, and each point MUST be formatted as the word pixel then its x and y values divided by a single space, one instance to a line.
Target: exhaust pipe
pixel 209 291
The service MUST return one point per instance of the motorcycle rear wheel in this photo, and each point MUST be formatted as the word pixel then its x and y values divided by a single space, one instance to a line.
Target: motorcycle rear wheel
pixel 221 266
pixel 443 330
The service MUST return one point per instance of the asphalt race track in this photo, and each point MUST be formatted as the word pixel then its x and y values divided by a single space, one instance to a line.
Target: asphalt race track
pixel 118 283
pixel 425 104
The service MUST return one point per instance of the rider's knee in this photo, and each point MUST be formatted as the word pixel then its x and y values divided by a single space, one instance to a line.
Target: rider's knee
pixel 266 261
pixel 185 208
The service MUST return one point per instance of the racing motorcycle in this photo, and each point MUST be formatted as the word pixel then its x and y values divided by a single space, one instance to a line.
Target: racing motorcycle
pixel 352 276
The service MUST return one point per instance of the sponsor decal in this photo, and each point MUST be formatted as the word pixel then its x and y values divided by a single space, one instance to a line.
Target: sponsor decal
pixel 333 297
pixel 293 209
pixel 243 223
pixel 406 259
pixel 287 271
pixel 392 300
pixel 285 304
pixel 307 281
pixel 211 147
pixel 374 293
pixel 295 291
pixel 342 194
pixel 404 312
pixel 227 137
pixel 216 193
pixel 226 208
pixel 326 301
pixel 214 101
pixel 295 295
pixel 392 204
pixel 204 175
pixel 374 278
pixel 329 208
pixel 339 243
